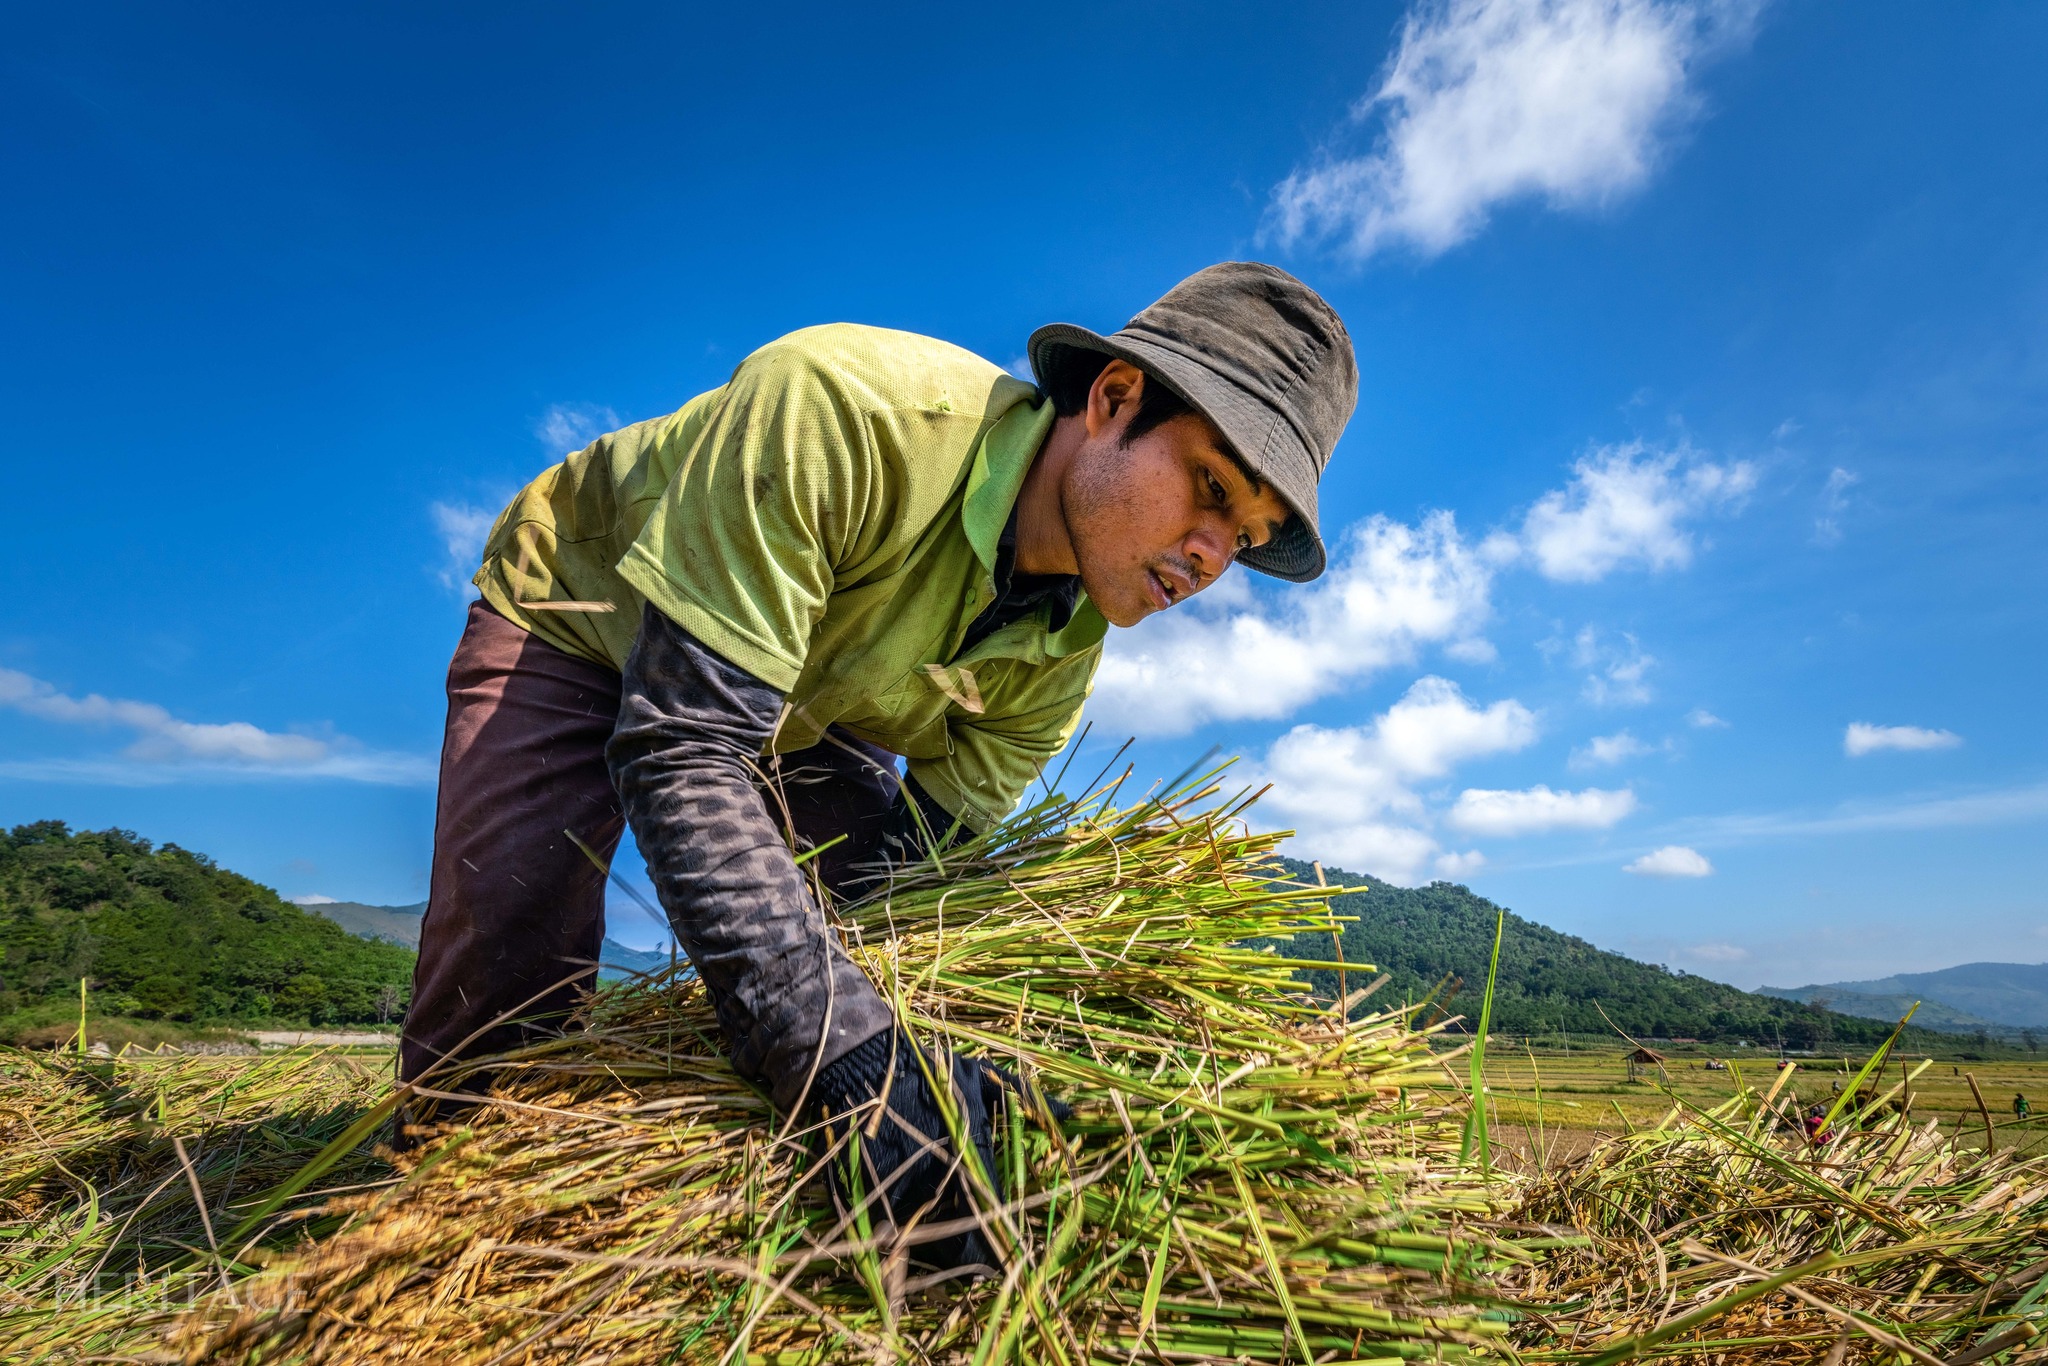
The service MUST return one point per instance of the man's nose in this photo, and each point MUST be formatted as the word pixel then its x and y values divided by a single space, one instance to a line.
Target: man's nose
pixel 1210 551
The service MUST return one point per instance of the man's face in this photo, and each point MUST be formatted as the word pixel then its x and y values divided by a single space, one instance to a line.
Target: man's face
pixel 1158 520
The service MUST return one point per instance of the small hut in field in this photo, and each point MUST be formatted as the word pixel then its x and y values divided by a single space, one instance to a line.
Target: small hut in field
pixel 1644 1057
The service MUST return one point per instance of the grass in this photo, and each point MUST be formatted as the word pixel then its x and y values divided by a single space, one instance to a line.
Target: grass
pixel 99 1160
pixel 54 1025
pixel 1722 1233
pixel 1245 1177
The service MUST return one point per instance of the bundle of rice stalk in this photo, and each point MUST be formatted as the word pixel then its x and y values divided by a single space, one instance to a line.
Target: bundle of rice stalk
pixel 1245 1176
pixel 1726 1233
pixel 114 1170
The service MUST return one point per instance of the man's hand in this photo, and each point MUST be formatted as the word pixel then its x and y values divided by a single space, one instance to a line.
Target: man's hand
pixel 906 1152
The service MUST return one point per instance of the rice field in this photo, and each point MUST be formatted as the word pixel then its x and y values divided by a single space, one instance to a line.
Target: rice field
pixel 1587 1094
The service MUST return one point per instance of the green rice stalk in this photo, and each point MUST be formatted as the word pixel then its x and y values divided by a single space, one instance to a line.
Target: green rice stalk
pixel 1475 1127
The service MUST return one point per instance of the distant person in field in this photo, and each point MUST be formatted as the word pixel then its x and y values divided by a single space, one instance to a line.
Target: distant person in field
pixel 1816 1131
pixel 725 626
pixel 2020 1108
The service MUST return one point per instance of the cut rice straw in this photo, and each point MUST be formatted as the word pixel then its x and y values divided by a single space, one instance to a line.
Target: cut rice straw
pixel 1248 1174
pixel 1239 1179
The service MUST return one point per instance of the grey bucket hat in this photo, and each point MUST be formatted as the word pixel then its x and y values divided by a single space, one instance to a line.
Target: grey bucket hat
pixel 1265 359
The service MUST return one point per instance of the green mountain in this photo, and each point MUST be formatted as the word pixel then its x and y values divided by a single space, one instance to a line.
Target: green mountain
pixel 401 925
pixel 1549 983
pixel 162 933
pixel 2005 996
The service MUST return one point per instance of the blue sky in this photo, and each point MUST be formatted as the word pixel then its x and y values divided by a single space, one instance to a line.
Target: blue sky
pixel 1689 523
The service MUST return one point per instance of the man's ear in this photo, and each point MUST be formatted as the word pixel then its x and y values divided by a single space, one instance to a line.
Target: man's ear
pixel 1119 386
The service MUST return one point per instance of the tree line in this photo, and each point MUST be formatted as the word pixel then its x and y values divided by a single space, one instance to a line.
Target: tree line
pixel 162 933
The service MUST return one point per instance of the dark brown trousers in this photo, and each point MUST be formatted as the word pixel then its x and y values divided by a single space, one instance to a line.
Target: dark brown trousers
pixel 515 910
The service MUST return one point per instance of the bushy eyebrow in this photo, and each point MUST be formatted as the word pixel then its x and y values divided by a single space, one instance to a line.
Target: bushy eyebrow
pixel 1244 471
pixel 1252 481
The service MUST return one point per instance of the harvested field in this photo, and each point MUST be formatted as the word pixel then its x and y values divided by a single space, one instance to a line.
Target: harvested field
pixel 1245 1176
pixel 1586 1097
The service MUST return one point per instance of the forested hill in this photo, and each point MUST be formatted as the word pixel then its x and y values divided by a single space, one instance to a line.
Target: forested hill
pixel 163 933
pixel 1549 982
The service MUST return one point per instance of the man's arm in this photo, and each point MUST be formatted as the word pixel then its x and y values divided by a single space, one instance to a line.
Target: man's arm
pixel 691 726
pixel 683 756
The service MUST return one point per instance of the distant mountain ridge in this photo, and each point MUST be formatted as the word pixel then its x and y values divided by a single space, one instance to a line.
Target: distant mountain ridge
pixel 2010 995
pixel 1931 1014
pixel 1550 982
pixel 398 925
pixel 401 925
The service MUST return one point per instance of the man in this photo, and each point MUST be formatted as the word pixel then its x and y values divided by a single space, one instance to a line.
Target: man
pixel 725 625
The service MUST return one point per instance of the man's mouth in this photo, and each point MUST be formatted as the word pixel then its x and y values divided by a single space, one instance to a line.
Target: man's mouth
pixel 1163 593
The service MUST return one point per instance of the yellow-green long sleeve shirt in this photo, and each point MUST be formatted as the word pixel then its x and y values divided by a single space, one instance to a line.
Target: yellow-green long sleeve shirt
pixel 828 521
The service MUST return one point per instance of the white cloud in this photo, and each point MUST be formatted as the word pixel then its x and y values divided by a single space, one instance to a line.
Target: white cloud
pixel 1460 865
pixel 463 528
pixel 1488 101
pixel 1434 727
pixel 1386 849
pixel 1604 751
pixel 1537 810
pixel 1348 792
pixel 1717 953
pixel 1235 653
pixel 568 427
pixel 1021 368
pixel 1834 501
pixel 1998 806
pixel 1673 860
pixel 1699 718
pixel 1474 650
pixel 165 747
pixel 1627 505
pixel 1617 673
pixel 1863 738
pixel 315 899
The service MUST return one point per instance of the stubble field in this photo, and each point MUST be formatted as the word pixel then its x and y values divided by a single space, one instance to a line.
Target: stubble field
pixel 1587 1094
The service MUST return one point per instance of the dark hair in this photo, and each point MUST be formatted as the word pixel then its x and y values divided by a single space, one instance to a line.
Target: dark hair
pixel 1073 372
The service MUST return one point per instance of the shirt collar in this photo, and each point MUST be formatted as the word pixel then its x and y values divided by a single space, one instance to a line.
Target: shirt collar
pixel 1000 466
pixel 998 475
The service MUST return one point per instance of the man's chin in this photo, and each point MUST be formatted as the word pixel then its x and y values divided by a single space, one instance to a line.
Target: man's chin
pixel 1126 619
pixel 1130 612
pixel 1117 608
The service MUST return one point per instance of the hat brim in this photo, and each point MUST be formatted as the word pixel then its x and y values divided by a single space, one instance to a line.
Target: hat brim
pixel 1257 434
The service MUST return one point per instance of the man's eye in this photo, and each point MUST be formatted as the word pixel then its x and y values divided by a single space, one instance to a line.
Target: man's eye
pixel 1244 541
pixel 1215 489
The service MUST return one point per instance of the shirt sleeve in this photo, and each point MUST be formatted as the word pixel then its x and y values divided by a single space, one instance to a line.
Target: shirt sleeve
pixel 776 492
pixel 682 758
pixel 1029 715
